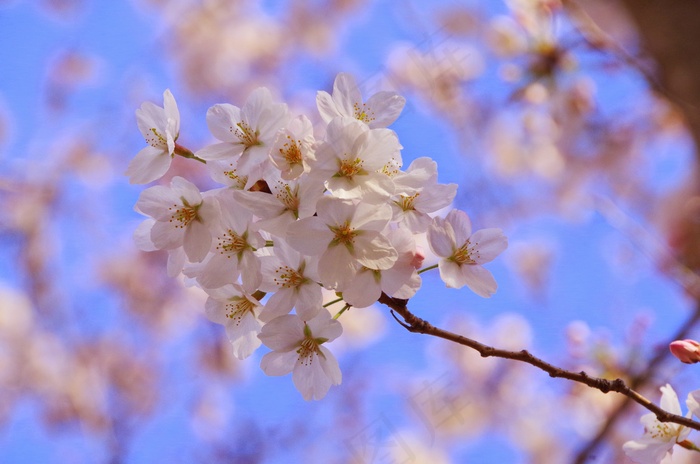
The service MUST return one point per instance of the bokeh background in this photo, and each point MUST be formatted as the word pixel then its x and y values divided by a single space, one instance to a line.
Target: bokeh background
pixel 561 123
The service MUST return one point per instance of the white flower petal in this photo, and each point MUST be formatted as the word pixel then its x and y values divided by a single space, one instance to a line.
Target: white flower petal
pixel 441 238
pixel 479 280
pixel 278 362
pixel 222 120
pixel 386 106
pixel 461 224
pixel 489 243
pixel 149 164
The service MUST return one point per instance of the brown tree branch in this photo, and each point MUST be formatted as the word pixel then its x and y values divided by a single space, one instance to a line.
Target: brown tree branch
pixel 637 382
pixel 413 323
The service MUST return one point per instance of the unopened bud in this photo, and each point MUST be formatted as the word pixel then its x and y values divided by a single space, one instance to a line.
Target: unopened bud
pixel 687 351
pixel 418 257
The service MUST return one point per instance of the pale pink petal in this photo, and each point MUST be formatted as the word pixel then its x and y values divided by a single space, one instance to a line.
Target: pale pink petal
pixel 371 217
pixel 309 300
pixel 451 274
pixel 250 271
pixel 186 190
pixel 346 94
pixel 311 379
pixel 488 243
pixel 165 236
pixel 441 238
pixel 435 197
pixel 326 106
pixel 461 224
pixel 330 365
pixel 386 106
pixel 244 336
pixel 149 164
pixel 278 362
pixel 171 113
pixel 309 236
pixel 176 261
pixel 214 310
pixel 324 326
pixel 255 105
pixel 197 241
pixel 222 120
pixel 279 304
pixel 363 290
pixel 336 266
pixel 283 333
pixel 220 151
pixel 156 200
pixel 149 118
pixel 647 451
pixel 479 280
pixel 375 253
pixel 142 236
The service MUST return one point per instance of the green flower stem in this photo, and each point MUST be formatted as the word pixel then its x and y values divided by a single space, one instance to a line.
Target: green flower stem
pixel 333 302
pixel 427 268
pixel 345 308
pixel 187 153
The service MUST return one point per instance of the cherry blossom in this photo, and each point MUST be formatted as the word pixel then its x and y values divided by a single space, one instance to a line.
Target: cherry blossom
pixel 400 281
pixel 344 234
pixel 293 278
pixel 246 133
pixel 287 201
pixel 351 159
pixel 294 148
pixel 161 129
pixel 418 194
pixel 239 312
pixel 233 247
pixel 298 348
pixel 294 216
pixel 463 253
pixel 659 437
pixel 380 110
pixel 182 217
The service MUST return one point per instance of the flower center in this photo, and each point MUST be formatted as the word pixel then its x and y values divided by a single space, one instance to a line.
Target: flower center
pixel 182 216
pixel 391 168
pixel 406 202
pixel 246 134
pixel 364 113
pixel 349 168
pixel 231 243
pixel 288 197
pixel 237 308
pixel 238 180
pixel 306 351
pixel 156 140
pixel 291 151
pixel 466 253
pixel 286 277
pixel 344 234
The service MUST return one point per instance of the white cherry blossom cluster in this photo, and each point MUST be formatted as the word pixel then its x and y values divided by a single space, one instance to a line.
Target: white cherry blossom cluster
pixel 301 208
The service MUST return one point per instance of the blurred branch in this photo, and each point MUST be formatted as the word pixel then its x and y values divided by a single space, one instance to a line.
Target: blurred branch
pixel 670 33
pixel 637 382
pixel 413 323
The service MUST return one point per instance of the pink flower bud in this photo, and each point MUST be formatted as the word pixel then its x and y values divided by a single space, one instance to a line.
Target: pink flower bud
pixel 418 258
pixel 687 351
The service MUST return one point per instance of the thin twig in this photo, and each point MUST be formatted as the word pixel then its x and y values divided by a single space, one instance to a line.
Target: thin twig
pixel 413 323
